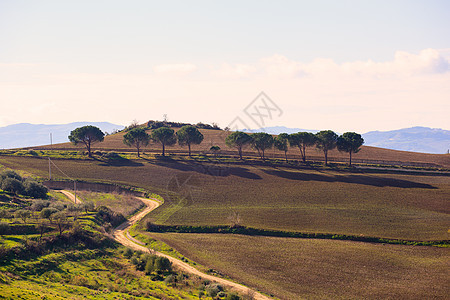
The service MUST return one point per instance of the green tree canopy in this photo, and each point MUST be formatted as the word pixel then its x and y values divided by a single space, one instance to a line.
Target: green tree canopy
pixel 215 150
pixel 87 135
pixel 281 143
pixel 326 140
pixel 350 142
pixel 262 141
pixel 165 136
pixel 302 140
pixel 136 137
pixel 12 185
pixel 188 135
pixel 238 140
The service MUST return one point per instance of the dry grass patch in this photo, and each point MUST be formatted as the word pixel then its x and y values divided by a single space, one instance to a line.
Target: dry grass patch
pixel 121 203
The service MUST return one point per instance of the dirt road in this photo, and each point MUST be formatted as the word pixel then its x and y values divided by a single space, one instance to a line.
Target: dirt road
pixel 120 234
pixel 71 196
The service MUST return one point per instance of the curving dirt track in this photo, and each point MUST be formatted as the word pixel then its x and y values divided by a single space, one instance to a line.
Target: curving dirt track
pixel 121 233
pixel 71 196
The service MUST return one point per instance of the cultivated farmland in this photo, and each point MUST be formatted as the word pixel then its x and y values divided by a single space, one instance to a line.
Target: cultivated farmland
pixel 320 269
pixel 404 206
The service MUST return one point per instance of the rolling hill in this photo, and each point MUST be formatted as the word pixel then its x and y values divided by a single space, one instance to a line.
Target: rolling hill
pixel 205 191
pixel 370 154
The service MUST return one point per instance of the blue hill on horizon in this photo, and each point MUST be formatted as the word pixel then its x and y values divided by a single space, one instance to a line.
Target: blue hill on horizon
pixel 28 135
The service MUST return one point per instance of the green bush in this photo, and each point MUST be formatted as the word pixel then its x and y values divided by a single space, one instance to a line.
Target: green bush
pixel 233 296
pixel 47 212
pixel 111 155
pixel 12 185
pixel 10 174
pixel 39 205
pixel 35 189
pixel 128 253
pixel 4 228
pixel 213 289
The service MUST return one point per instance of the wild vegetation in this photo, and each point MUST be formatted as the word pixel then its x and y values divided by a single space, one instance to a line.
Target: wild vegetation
pixel 53 249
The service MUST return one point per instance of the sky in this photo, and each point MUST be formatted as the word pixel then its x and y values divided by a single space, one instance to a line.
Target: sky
pixel 340 65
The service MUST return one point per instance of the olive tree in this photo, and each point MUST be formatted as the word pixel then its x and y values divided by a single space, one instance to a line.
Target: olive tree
pixel 188 135
pixel 350 142
pixel 61 221
pixel 165 136
pixel 302 140
pixel 87 135
pixel 262 141
pixel 238 140
pixel 136 137
pixel 35 189
pixel 23 214
pixel 12 185
pixel 48 212
pixel 326 141
pixel 281 143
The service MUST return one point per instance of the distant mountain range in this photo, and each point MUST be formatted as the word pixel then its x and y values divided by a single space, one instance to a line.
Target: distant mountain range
pixel 415 139
pixel 28 135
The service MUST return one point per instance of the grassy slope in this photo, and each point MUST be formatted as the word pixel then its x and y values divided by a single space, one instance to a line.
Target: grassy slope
pixel 217 137
pixel 319 269
pixel 384 205
pixel 106 275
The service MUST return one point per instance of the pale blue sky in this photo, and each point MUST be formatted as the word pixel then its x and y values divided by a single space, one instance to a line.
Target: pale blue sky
pixel 128 39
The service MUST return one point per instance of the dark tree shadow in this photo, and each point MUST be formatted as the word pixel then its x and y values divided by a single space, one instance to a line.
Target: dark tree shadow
pixel 208 168
pixel 356 179
pixel 119 162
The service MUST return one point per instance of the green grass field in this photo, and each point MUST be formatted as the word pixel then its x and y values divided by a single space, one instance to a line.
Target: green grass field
pixel 391 205
pixel 320 269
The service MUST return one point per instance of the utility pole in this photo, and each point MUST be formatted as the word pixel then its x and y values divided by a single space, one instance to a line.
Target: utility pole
pixel 75 189
pixel 49 169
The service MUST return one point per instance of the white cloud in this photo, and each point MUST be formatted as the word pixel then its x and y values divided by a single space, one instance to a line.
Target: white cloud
pixel 428 61
pixel 235 71
pixel 175 69
pixel 281 67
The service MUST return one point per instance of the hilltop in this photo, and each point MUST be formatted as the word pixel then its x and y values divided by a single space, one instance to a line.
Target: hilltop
pixel 368 154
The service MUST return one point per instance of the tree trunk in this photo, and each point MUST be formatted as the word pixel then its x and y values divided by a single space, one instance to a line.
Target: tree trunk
pixel 189 147
pixel 304 153
pixel 285 155
pixel 326 157
pixel 164 148
pixel 88 146
pixel 350 163
pixel 240 152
